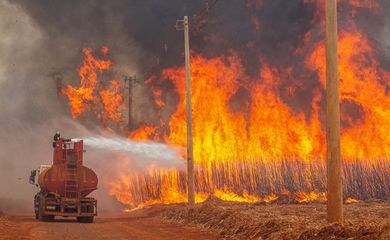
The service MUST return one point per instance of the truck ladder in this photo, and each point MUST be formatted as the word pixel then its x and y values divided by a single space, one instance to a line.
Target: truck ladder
pixel 71 183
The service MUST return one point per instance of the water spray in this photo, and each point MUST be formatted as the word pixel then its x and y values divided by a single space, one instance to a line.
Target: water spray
pixel 147 151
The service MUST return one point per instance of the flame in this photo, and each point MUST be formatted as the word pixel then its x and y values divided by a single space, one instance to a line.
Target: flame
pixel 112 102
pixel 259 147
pixel 363 83
pixel 351 200
pixel 231 196
pixel 303 197
pixel 271 123
pixel 158 100
pixel 145 133
pixel 264 134
pixel 270 198
pixel 93 95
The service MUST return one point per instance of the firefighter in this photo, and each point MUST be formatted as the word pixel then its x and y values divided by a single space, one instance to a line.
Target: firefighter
pixel 56 137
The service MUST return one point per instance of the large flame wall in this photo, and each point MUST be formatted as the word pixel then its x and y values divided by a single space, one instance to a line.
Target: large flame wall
pixel 266 147
pixel 259 145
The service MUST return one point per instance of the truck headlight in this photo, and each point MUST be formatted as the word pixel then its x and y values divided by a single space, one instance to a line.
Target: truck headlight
pixel 50 207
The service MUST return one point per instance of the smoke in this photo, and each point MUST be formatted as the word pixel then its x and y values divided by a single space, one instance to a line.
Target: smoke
pixel 31 111
pixel 18 102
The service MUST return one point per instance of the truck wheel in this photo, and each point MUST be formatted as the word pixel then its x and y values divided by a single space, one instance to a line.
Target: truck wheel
pixel 89 219
pixel 85 219
pixel 36 206
pixel 43 217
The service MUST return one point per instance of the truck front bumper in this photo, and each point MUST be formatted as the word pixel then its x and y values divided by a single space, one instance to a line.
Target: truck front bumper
pixel 86 207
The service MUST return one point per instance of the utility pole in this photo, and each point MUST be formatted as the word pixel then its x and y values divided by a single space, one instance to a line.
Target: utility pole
pixel 131 80
pixel 183 25
pixel 335 193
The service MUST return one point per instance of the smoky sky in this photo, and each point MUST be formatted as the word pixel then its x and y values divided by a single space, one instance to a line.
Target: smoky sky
pixel 150 25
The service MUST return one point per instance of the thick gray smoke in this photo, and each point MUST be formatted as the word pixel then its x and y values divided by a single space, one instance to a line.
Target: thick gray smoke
pixel 26 108
pixel 30 109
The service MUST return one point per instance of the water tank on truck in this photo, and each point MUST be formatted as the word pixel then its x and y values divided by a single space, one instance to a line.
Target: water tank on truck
pixel 65 185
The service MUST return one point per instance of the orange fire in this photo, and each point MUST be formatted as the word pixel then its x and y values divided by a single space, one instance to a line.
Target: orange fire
pixel 104 99
pixel 363 83
pixel 273 130
pixel 145 133
pixel 112 102
pixel 351 200
pixel 264 134
pixel 259 148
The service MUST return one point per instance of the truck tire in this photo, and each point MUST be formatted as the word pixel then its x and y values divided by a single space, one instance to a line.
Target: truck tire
pixel 85 219
pixel 36 206
pixel 43 217
pixel 89 219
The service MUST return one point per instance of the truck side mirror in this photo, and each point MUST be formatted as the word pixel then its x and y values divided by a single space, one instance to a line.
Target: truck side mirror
pixel 32 176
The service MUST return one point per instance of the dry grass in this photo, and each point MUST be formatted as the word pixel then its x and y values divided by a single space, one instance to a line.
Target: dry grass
pixel 365 220
pixel 362 180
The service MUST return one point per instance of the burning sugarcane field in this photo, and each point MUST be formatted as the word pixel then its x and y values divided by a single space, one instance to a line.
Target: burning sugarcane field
pixel 207 119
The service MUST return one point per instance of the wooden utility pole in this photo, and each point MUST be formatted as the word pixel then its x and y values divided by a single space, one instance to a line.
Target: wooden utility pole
pixel 130 80
pixel 183 25
pixel 335 193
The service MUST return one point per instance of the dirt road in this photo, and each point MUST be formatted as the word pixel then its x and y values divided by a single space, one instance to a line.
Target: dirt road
pixel 27 228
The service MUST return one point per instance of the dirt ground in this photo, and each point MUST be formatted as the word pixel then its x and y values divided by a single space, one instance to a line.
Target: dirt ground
pixel 213 219
pixel 104 228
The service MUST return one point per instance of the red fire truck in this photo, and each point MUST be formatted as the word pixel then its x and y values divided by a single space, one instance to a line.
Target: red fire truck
pixel 65 185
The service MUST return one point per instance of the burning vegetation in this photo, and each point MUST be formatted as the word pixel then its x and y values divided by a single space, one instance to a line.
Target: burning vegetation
pixel 102 98
pixel 253 141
